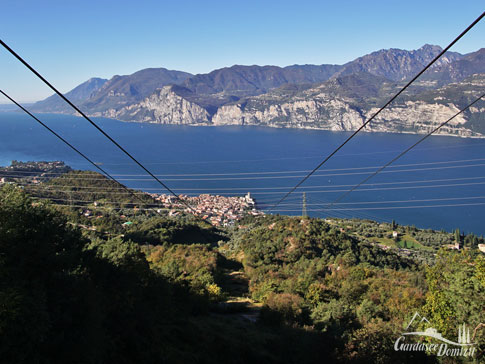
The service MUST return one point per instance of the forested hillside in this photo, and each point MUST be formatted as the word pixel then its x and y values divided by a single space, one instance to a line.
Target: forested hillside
pixel 275 289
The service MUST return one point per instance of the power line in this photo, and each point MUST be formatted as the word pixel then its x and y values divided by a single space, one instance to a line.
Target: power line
pixel 394 201
pixel 340 214
pixel 358 214
pixel 108 208
pixel 14 175
pixel 308 192
pixel 69 145
pixel 232 162
pixel 268 172
pixel 101 201
pixel 389 208
pixel 380 110
pixel 269 189
pixel 91 122
pixel 394 188
pixel 406 150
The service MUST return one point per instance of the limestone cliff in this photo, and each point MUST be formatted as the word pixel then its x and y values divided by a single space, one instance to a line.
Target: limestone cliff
pixel 164 107
pixel 337 115
pixel 338 105
pixel 330 97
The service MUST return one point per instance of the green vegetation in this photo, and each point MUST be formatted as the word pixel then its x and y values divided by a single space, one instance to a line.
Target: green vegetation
pixel 273 289
pixel 456 292
pixel 160 230
pixel 82 188
pixel 194 265
pixel 308 273
pixel 65 298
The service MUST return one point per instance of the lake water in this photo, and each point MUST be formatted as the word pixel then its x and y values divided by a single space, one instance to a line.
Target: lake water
pixel 439 185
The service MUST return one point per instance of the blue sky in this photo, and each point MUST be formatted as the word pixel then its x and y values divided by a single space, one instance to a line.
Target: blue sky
pixel 71 41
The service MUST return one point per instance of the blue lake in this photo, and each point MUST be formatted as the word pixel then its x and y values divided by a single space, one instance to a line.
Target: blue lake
pixel 439 185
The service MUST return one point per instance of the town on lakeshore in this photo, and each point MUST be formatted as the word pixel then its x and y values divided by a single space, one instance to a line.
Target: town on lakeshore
pixel 32 172
pixel 219 210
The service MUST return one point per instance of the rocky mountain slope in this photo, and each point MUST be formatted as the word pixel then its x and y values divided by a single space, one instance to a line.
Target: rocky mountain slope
pixel 340 104
pixel 255 80
pixel 304 96
pixel 398 64
pixel 346 102
pixel 470 64
pixel 78 95
pixel 120 91
pixel 165 106
pixel 96 95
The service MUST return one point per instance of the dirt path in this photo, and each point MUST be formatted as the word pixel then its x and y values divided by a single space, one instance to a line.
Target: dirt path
pixel 238 304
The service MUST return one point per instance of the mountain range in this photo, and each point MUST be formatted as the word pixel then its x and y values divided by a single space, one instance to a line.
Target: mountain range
pixel 332 97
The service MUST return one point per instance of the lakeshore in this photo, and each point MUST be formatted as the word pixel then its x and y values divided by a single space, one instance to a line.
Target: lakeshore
pixel 268 162
pixel 219 210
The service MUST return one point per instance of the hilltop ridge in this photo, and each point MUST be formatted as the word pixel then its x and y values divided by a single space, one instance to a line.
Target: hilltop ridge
pixel 332 97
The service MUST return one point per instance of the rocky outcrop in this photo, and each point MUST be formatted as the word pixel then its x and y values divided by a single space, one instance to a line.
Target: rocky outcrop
pixel 330 97
pixel 163 107
pixel 398 64
pixel 420 117
pixel 337 115
pixel 321 111
pixel 337 105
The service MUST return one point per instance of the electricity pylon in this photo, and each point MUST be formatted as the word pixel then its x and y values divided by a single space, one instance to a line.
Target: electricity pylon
pixel 303 210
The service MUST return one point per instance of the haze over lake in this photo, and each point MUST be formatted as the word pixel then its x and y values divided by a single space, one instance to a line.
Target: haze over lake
pixel 444 171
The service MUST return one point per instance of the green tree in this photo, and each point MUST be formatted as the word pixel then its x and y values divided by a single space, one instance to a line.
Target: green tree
pixel 46 302
pixel 456 292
